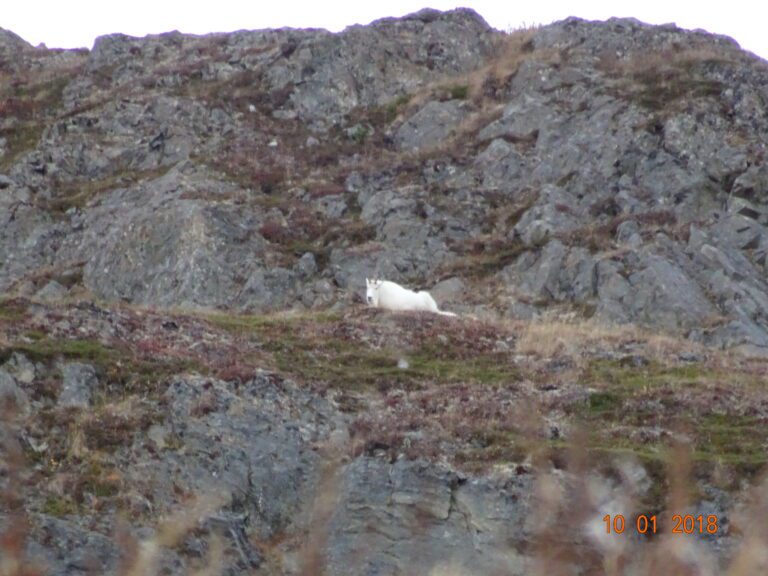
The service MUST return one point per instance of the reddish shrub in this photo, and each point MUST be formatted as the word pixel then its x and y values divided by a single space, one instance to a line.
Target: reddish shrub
pixel 275 232
pixel 326 189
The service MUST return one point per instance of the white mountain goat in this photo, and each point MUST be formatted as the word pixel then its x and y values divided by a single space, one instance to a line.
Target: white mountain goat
pixel 391 296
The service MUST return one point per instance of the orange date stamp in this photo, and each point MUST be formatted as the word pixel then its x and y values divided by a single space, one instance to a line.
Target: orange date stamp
pixel 645 524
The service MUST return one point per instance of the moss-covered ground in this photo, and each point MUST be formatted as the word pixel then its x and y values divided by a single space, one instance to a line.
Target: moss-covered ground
pixel 480 394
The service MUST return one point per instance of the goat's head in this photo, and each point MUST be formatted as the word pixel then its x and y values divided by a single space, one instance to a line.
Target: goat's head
pixel 372 292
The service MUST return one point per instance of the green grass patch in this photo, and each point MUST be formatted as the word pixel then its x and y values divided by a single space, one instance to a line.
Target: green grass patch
pixel 355 366
pixel 19 139
pixel 731 439
pixel 724 438
pixel 129 375
pixel 263 324
pixel 45 349
pixel 28 106
pixel 394 107
pixel 94 480
pixel 34 335
pixel 601 402
pixel 12 310
pixel 386 114
pixel 314 347
pixel 59 506
pixel 359 133
pixel 124 372
pixel 621 375
pixel 459 92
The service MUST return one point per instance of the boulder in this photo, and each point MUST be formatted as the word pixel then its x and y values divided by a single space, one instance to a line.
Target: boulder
pixel 79 383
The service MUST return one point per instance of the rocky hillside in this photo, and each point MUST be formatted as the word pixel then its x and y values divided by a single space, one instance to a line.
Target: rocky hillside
pixel 192 382
pixel 615 167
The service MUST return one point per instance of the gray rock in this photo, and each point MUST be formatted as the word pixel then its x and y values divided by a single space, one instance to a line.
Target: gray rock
pixel 79 382
pixel 522 310
pixel 407 515
pixel 556 211
pixel 306 266
pixel 267 289
pixel 252 445
pixel 578 280
pixel 664 295
pixel 183 252
pixel 11 395
pixel 628 232
pixel 52 291
pixel 21 368
pixel 449 290
pixel 351 267
pixel 613 290
pixel 538 233
pixel 555 274
pixel 522 119
pixel 739 231
pixel 431 125
pixel 70 549
pixel 703 147
pixel 333 206
pixel 12 45
pixel 500 164
pixel 541 281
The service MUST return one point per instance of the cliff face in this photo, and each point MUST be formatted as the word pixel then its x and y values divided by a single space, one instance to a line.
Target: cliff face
pixel 615 166
pixel 603 172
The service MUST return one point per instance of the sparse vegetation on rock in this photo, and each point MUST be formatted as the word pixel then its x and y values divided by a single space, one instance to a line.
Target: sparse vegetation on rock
pixel 191 383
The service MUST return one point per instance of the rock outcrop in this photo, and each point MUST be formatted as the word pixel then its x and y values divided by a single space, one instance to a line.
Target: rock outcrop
pixel 613 171
pixel 196 171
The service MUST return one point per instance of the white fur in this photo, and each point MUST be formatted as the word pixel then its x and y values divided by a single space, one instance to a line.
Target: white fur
pixel 391 296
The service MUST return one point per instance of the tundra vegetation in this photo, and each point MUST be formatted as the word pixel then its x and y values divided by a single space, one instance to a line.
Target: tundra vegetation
pixel 192 382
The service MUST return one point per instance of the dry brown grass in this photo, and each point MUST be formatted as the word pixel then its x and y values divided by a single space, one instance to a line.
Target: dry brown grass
pixel 660 81
pixel 483 88
pixel 638 64
pixel 508 54
pixel 568 335
pixel 601 236
pixel 513 49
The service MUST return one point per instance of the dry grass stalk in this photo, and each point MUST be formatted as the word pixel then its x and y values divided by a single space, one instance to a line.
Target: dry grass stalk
pixel 215 564
pixel 170 532
pixel 752 555
pixel 312 553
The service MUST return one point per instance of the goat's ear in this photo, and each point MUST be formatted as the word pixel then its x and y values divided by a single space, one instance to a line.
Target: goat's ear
pixel 367 282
